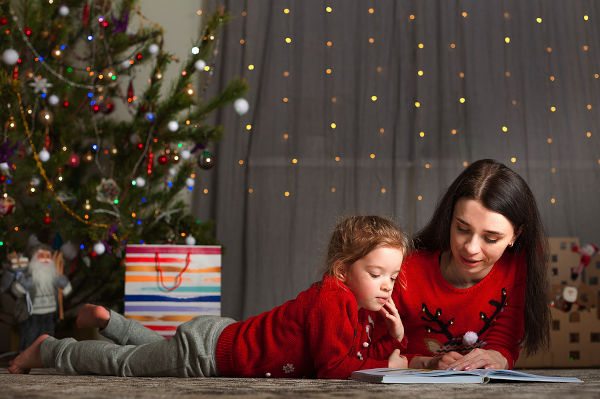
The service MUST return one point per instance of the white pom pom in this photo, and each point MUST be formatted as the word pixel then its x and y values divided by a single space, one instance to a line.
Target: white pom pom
pixel 4 167
pixel 153 48
pixel 63 11
pixel 190 240
pixel 200 65
pixel 173 126
pixel 140 182
pixel 172 172
pixel 99 248
pixel 190 182
pixel 10 56
pixel 241 106
pixel 186 154
pixel 35 181
pixel 470 338
pixel 44 155
pixel 125 64
pixel 53 99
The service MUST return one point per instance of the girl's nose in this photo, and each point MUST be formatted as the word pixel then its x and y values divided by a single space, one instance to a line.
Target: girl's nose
pixel 472 245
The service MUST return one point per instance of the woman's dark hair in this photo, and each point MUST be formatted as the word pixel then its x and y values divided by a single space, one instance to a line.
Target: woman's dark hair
pixel 503 191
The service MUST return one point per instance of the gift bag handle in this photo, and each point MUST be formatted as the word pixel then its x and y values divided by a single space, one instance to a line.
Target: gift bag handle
pixel 178 278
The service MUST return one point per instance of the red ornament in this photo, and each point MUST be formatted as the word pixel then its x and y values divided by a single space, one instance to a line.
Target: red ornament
pixel 139 57
pixel 3 20
pixel 96 108
pixel 2 178
pixel 93 254
pixel 150 162
pixel 27 31
pixel 163 160
pixel 47 219
pixel 109 106
pixel 66 104
pixel 86 15
pixel 74 160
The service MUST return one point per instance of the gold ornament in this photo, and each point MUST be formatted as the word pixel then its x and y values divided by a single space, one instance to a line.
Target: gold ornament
pixel 158 75
pixel 44 34
pixel 109 74
pixel 29 110
pixel 88 157
pixel 29 75
pixel 175 157
pixel 114 151
pixel 87 206
pixel 189 90
pixel 56 53
pixel 31 188
pixel 10 124
pixel 45 117
pixel 99 89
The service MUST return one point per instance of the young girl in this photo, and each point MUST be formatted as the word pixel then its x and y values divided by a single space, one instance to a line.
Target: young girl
pixel 325 332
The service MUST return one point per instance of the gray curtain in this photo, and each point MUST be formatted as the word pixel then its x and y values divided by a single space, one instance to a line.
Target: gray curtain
pixel 386 155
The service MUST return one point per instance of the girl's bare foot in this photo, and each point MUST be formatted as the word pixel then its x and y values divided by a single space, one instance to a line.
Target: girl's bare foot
pixel 29 358
pixel 92 316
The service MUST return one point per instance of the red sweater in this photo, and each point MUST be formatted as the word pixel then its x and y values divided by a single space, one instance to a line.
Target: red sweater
pixel 321 334
pixel 436 315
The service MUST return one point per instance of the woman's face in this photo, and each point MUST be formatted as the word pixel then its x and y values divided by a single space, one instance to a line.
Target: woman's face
pixel 478 238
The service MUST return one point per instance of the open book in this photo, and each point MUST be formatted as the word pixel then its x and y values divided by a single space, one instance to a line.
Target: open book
pixel 478 376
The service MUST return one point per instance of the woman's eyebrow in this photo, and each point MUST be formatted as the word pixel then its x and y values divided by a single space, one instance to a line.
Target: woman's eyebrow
pixel 487 231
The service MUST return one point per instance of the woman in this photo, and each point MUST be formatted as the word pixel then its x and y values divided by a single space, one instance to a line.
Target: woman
pixel 474 292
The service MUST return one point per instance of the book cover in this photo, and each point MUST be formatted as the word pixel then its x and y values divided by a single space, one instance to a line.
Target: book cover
pixel 478 376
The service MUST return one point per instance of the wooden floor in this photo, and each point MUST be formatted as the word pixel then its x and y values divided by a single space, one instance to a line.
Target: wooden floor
pixel 46 384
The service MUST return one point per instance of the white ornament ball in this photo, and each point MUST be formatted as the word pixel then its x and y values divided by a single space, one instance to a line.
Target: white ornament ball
pixel 63 11
pixel 190 182
pixel 153 48
pixel 186 154
pixel 470 338
pixel 44 155
pixel 200 65
pixel 140 182
pixel 4 167
pixel 53 99
pixel 69 250
pixel 190 240
pixel 10 56
pixel 172 172
pixel 241 106
pixel 125 64
pixel 99 248
pixel 35 181
pixel 173 126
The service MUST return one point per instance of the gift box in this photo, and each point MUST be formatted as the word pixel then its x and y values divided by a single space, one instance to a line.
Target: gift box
pixel 166 285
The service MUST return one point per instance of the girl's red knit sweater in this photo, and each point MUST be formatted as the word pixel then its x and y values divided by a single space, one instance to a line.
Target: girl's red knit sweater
pixel 321 334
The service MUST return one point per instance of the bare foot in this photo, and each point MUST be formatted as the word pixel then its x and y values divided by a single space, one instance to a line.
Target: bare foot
pixel 92 316
pixel 29 358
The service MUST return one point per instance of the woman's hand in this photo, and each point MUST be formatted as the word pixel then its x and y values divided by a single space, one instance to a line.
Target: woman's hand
pixel 479 359
pixel 397 361
pixel 441 362
pixel 392 319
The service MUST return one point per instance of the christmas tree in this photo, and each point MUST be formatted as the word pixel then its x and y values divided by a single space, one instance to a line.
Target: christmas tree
pixel 79 177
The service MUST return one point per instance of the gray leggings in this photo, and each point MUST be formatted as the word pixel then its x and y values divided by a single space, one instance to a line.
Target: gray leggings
pixel 139 351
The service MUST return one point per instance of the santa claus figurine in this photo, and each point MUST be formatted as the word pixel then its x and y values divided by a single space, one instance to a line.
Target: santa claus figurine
pixel 586 251
pixel 44 286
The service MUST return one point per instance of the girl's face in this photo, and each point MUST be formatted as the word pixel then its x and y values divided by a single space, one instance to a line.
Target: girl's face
pixel 478 238
pixel 371 278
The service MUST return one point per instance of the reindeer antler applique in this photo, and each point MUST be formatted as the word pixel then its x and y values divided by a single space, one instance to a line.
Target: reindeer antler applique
pixel 436 319
pixel 499 305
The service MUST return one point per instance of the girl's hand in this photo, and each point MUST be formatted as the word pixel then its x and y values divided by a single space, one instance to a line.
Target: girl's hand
pixel 480 359
pixel 397 361
pixel 392 319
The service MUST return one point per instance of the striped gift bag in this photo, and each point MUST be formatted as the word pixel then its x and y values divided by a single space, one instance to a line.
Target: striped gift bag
pixel 166 285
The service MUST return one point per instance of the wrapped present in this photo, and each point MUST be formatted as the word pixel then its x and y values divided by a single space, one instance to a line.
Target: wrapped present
pixel 166 285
